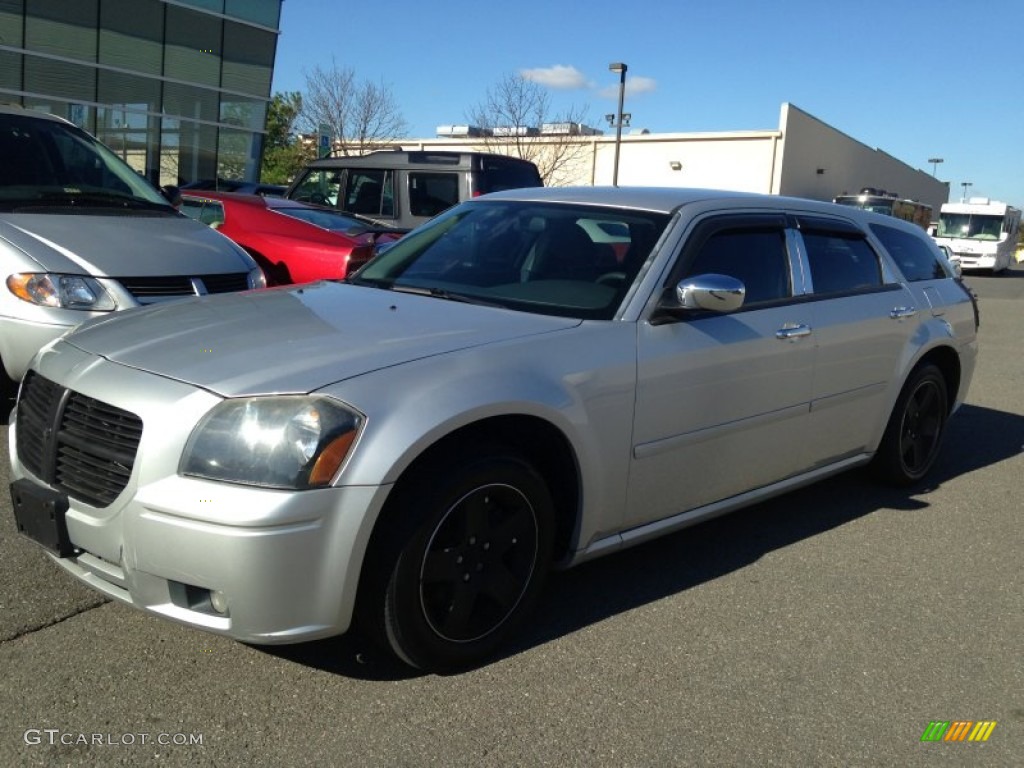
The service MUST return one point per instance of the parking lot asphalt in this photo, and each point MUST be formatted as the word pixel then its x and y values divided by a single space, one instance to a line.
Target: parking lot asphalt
pixel 827 627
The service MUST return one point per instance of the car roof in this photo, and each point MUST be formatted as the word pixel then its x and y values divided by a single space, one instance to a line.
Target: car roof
pixel 668 199
pixel 418 159
pixel 243 198
pixel 6 108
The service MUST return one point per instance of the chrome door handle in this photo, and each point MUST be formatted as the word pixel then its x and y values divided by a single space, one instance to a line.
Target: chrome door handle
pixel 792 331
pixel 898 313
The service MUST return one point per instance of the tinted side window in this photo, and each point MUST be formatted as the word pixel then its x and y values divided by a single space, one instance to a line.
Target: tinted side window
pixel 369 193
pixel 841 263
pixel 496 175
pixel 914 256
pixel 757 257
pixel 431 193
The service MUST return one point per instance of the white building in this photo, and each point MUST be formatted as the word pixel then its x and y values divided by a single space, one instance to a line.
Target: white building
pixel 803 157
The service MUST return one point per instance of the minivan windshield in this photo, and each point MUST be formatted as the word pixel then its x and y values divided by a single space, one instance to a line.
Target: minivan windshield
pixel 47 163
pixel 548 258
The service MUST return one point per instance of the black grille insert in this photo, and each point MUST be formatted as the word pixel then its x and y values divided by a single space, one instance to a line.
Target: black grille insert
pixel 148 289
pixel 76 443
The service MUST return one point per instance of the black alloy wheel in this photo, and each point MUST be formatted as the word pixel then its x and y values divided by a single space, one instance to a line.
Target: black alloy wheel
pixel 913 436
pixel 463 581
pixel 478 563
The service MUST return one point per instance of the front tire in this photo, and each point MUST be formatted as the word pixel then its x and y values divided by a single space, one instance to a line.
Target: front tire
pixel 914 433
pixel 461 584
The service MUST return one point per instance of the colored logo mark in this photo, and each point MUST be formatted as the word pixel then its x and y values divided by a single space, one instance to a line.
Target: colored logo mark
pixel 958 730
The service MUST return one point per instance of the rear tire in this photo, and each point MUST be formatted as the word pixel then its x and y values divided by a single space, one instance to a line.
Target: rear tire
pixel 471 565
pixel 913 436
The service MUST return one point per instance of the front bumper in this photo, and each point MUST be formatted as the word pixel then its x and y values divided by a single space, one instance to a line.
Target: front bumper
pixel 286 563
pixel 288 567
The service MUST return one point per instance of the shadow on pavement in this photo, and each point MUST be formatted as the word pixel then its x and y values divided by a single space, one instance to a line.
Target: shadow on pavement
pixel 977 437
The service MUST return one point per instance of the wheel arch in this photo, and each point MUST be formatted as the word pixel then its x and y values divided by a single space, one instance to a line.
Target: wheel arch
pixel 947 361
pixel 537 440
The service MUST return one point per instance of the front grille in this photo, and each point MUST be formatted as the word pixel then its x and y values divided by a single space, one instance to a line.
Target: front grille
pixel 225 283
pixel 76 443
pixel 143 288
pixel 149 289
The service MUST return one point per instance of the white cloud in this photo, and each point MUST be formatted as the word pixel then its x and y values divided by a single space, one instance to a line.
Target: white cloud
pixel 558 76
pixel 634 87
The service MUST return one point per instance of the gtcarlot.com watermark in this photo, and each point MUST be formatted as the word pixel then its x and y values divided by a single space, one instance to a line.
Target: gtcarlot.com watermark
pixel 56 737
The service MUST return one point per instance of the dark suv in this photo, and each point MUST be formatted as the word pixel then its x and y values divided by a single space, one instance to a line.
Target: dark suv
pixel 407 188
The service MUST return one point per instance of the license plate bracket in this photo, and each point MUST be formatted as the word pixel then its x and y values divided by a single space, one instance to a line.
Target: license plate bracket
pixel 41 515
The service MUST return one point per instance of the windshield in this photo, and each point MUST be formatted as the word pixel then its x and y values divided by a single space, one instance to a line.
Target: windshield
pixel 974 226
pixel 865 203
pixel 48 163
pixel 335 222
pixel 548 258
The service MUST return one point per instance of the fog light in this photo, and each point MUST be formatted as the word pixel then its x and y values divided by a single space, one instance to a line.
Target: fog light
pixel 219 601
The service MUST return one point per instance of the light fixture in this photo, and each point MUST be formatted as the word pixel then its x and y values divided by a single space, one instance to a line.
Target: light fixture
pixel 675 165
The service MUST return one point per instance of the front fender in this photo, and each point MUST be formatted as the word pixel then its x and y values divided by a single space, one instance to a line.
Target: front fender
pixel 579 380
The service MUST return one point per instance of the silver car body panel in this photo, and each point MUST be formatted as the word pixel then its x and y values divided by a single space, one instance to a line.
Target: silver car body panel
pixel 209 344
pixel 647 409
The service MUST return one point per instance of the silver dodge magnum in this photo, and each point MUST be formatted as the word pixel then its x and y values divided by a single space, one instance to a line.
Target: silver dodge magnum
pixel 530 380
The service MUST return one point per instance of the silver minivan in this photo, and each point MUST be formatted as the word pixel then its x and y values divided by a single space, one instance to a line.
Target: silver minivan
pixel 82 234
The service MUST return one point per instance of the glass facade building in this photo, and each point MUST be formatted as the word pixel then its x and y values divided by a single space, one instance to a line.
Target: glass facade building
pixel 179 88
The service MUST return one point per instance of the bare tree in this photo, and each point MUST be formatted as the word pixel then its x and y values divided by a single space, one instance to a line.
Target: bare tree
pixel 511 115
pixel 361 115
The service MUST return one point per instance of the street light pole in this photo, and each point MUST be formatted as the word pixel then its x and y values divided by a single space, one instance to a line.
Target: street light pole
pixel 965 185
pixel 621 68
pixel 935 164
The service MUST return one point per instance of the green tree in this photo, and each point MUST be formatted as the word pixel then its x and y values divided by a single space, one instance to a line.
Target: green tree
pixel 284 154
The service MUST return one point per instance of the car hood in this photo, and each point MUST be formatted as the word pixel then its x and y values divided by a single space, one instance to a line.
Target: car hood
pixel 135 245
pixel 297 338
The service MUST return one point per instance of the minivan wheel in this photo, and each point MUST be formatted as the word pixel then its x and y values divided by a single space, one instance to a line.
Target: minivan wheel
pixel 474 565
pixel 913 436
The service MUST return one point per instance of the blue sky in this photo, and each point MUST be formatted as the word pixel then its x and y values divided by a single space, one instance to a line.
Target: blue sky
pixel 941 78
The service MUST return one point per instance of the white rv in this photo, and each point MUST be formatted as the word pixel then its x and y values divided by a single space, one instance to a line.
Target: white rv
pixel 981 233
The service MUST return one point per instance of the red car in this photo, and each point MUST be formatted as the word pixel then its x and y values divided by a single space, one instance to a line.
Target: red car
pixel 293 242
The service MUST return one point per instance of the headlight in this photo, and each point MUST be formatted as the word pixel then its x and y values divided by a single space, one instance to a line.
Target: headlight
pixel 63 291
pixel 277 442
pixel 257 279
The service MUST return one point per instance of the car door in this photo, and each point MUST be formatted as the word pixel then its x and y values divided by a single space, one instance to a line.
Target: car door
pixel 722 399
pixel 863 319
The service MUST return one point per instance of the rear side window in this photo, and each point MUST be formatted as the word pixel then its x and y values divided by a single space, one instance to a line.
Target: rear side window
pixel 496 174
pixel 431 193
pixel 914 255
pixel 757 257
pixel 841 263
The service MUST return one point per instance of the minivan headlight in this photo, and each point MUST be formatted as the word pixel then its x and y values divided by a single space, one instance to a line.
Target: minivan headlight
pixel 256 279
pixel 293 442
pixel 62 291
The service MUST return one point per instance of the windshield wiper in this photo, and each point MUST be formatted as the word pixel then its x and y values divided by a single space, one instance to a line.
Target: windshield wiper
pixel 419 290
pixel 370 282
pixel 441 293
pixel 97 200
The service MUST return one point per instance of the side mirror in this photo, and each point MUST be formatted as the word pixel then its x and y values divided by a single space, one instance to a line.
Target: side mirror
pixel 172 194
pixel 714 293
